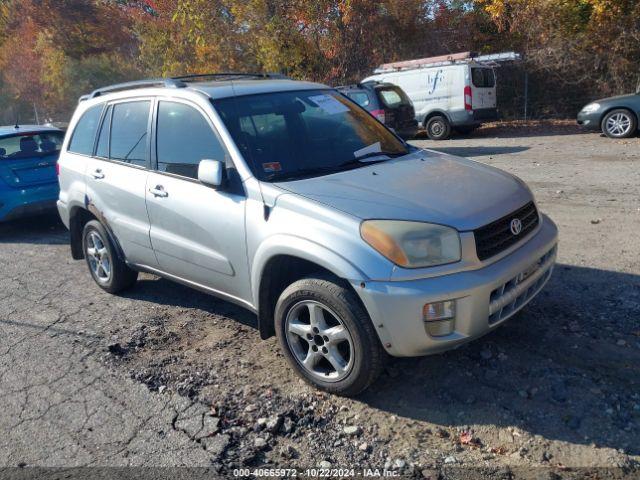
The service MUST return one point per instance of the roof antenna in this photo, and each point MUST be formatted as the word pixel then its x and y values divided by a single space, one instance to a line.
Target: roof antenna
pixel 17 121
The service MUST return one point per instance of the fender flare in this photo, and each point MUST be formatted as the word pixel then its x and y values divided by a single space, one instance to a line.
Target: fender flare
pixel 432 113
pixel 305 249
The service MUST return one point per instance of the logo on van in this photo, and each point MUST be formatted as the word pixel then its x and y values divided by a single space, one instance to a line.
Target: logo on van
pixel 434 79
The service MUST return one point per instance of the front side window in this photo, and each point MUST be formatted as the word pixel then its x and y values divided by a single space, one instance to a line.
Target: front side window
pixel 29 145
pixel 84 134
pixel 483 77
pixel 291 135
pixel 129 125
pixel 184 138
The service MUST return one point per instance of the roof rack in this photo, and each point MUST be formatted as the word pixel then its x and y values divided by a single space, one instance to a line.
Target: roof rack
pixel 223 75
pixel 175 82
pixel 166 82
pixel 452 59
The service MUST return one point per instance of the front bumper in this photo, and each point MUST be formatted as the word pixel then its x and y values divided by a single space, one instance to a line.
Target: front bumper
pixel 16 203
pixel 590 121
pixel 485 298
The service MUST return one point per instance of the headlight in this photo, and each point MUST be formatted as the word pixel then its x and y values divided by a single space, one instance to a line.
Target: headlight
pixel 592 107
pixel 412 244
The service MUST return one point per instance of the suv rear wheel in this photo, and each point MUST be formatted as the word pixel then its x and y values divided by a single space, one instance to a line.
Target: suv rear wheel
pixel 327 336
pixel 438 128
pixel 106 267
pixel 619 123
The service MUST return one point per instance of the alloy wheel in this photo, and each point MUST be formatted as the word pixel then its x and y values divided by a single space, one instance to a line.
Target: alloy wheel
pixel 98 256
pixel 618 124
pixel 319 341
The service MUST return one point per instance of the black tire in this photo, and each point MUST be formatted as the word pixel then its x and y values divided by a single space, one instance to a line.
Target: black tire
pixel 367 355
pixel 113 275
pixel 619 123
pixel 438 128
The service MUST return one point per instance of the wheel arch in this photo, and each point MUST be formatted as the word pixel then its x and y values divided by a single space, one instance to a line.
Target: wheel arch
pixel 619 107
pixel 78 218
pixel 275 267
pixel 435 113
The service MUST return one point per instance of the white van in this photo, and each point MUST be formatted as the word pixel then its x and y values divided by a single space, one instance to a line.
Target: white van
pixel 446 95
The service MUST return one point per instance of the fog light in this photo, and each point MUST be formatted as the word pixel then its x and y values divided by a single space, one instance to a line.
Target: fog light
pixel 439 311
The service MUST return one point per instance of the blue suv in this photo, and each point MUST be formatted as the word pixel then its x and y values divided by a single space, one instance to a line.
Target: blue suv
pixel 28 180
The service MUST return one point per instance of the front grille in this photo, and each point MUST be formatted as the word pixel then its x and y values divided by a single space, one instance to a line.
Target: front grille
pixel 497 237
pixel 510 297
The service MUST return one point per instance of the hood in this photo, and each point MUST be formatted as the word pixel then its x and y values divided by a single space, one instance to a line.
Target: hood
pixel 425 186
pixel 617 98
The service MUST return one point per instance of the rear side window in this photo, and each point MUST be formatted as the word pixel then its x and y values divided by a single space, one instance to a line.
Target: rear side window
pixel 184 138
pixel 129 125
pixel 84 134
pixel 361 98
pixel 483 77
pixel 392 97
pixel 30 145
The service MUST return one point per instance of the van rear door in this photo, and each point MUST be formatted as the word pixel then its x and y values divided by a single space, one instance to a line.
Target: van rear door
pixel 483 88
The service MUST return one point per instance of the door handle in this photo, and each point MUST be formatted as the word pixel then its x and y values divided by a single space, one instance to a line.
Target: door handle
pixel 158 191
pixel 97 174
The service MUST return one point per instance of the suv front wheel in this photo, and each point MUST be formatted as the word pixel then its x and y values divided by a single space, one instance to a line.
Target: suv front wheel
pixel 327 336
pixel 107 269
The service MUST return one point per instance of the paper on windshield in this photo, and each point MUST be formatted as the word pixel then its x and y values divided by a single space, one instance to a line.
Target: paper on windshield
pixel 329 104
pixel 373 148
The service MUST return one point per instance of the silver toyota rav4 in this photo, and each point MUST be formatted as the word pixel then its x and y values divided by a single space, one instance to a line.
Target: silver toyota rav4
pixel 289 199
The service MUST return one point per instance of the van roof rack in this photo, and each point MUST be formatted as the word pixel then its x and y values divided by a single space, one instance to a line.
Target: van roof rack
pixel 451 59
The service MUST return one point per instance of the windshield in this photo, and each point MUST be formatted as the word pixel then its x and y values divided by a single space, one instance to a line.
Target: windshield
pixel 28 145
pixel 289 135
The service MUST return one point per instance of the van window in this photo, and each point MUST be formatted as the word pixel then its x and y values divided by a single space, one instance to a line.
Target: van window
pixel 184 138
pixel 129 125
pixel 361 98
pixel 483 77
pixel 84 134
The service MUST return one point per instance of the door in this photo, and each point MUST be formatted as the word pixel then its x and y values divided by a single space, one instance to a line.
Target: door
pixel 117 178
pixel 483 88
pixel 197 233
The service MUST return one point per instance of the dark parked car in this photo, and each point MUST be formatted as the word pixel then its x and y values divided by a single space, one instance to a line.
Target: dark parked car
pixel 387 102
pixel 616 117
pixel 28 180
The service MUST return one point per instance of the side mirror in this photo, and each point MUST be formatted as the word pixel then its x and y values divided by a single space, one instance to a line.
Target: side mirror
pixel 212 173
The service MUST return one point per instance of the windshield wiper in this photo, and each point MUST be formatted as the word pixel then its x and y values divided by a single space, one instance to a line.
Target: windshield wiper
pixel 355 163
pixel 377 154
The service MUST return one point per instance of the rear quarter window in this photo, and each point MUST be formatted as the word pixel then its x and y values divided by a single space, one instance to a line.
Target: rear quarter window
pixel 361 98
pixel 84 134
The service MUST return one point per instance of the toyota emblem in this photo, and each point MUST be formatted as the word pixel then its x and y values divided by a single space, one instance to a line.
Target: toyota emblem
pixel 516 226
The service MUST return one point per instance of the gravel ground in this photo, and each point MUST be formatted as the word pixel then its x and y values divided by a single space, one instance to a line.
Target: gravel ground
pixel 167 376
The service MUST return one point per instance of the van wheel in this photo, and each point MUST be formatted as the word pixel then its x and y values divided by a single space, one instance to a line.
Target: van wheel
pixel 327 336
pixel 619 123
pixel 107 269
pixel 438 128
